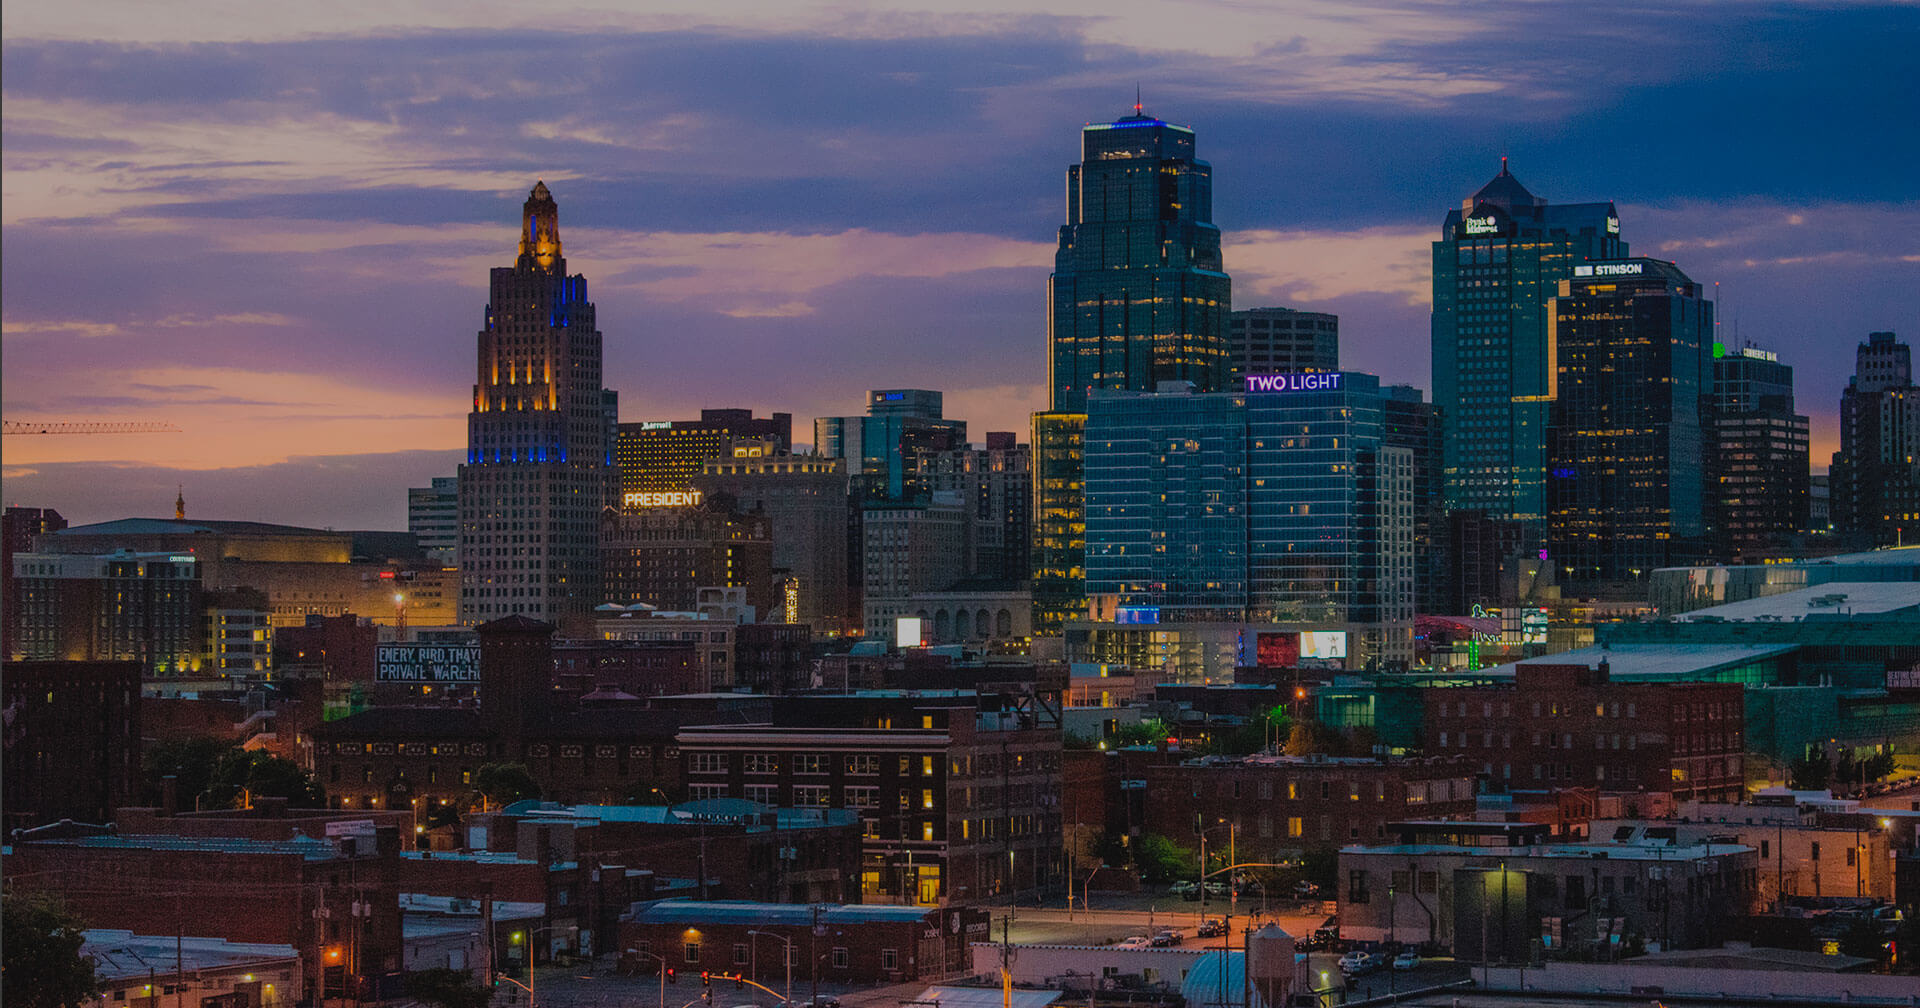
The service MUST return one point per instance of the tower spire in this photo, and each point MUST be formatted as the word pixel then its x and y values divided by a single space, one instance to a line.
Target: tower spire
pixel 540 228
pixel 180 502
pixel 1136 99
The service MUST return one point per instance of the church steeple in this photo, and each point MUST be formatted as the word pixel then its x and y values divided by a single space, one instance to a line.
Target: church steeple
pixel 180 503
pixel 540 229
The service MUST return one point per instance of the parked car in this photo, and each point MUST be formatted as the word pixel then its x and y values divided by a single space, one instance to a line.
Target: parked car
pixel 1137 942
pixel 823 1001
pixel 1305 890
pixel 1166 938
pixel 1217 890
pixel 1185 888
pixel 1406 960
pixel 1358 963
pixel 1213 927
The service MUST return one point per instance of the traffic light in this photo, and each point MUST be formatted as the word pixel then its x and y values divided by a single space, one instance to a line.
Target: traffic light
pixel 739 982
pixel 670 976
pixel 706 979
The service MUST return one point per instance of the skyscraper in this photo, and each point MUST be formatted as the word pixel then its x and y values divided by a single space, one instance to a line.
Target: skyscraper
pixel 1139 296
pixel 538 447
pixel 1500 256
pixel 1876 473
pixel 882 448
pixel 665 456
pixel 1282 340
pixel 1627 447
pixel 433 516
pixel 1757 475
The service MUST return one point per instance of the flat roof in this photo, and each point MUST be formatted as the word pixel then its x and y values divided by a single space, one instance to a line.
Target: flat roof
pixel 1587 851
pixel 789 914
pixel 1650 662
pixel 123 955
pixel 1834 598
pixel 310 848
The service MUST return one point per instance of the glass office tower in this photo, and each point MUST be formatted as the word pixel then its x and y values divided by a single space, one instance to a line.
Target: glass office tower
pixel 1289 505
pixel 1138 297
pixel 1500 257
pixel 1633 349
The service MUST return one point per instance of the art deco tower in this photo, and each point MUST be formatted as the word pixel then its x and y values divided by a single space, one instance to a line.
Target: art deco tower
pixel 538 449
pixel 1139 297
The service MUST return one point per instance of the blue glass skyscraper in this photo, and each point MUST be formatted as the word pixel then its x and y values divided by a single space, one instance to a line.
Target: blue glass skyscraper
pixel 1139 296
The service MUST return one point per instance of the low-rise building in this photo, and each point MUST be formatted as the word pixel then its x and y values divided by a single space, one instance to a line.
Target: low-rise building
pixel 152 971
pixel 1279 806
pixel 72 740
pixel 1589 899
pixel 772 942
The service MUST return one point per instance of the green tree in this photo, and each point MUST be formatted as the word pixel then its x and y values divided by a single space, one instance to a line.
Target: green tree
pixel 1150 732
pixel 40 961
pixel 1321 866
pixel 190 762
pixel 1809 773
pixel 447 988
pixel 1162 860
pixel 241 774
pixel 503 784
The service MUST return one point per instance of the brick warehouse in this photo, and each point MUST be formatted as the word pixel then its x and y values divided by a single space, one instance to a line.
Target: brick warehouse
pixel 1570 725
pixel 1279 806
pixel 831 944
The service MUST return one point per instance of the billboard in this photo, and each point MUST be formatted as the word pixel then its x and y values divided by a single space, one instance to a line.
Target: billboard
pixel 1276 650
pixel 907 631
pixel 427 663
pixel 1323 644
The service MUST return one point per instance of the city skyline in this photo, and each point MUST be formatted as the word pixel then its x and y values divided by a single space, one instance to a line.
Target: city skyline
pixel 272 236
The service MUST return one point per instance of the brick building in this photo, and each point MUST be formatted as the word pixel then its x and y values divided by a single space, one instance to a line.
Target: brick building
pixel 72 738
pixel 1279 806
pixel 663 556
pixel 1567 725
pixel 828 944
pixel 333 898
pixel 422 757
pixel 957 791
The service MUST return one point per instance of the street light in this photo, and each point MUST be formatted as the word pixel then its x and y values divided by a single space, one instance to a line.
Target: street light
pixel 663 974
pixel 789 958
pixel 532 933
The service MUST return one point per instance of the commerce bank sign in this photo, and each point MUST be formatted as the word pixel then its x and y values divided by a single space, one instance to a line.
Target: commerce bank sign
pixel 1314 381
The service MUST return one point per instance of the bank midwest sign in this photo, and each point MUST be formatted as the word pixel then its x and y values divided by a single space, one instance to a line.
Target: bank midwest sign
pixel 1317 381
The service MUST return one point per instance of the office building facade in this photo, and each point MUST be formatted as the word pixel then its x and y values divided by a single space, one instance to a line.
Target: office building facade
pixel 804 499
pixel 1627 444
pixel 433 516
pixel 1875 477
pixel 1757 473
pixel 882 449
pixel 1501 256
pixel 538 440
pixel 1139 295
pixel 665 456
pixel 1284 505
pixel 994 485
pixel 663 556
pixel 1280 341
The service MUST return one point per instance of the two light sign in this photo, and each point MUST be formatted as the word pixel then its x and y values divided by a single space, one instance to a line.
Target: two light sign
pixel 1310 381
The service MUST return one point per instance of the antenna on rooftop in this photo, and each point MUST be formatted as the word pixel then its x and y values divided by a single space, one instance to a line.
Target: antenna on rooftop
pixel 1136 98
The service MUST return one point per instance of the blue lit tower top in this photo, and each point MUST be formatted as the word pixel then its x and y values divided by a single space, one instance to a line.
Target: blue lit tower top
pixel 1138 292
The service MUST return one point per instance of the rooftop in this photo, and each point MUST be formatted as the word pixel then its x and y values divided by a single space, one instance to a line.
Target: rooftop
pixel 1833 599
pixel 310 848
pixel 123 955
pixel 1652 662
pixel 788 914
pixel 1587 851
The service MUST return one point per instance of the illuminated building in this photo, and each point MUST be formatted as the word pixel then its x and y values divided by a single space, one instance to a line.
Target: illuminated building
pixel 804 499
pixel 882 449
pixel 666 455
pixel 1277 340
pixel 1285 506
pixel 995 488
pixel 1875 479
pixel 1500 257
pixel 1138 296
pixel 1757 454
pixel 433 516
pixel 125 606
pixel 663 556
pixel 1626 490
pixel 538 445
pixel 18 528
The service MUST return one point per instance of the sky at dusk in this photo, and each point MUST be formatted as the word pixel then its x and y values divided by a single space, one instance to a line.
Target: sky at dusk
pixel 270 224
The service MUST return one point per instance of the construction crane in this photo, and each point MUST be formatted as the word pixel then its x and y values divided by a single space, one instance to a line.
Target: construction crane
pixel 85 427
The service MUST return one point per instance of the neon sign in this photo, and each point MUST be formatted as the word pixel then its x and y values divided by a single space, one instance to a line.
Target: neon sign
pixel 1482 225
pixel 688 498
pixel 1312 381
pixel 1610 269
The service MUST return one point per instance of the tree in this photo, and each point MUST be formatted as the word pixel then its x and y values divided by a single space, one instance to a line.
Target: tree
pixel 41 965
pixel 1300 739
pixel 190 762
pixel 1161 860
pixel 1809 773
pixel 503 784
pixel 447 988
pixel 214 773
